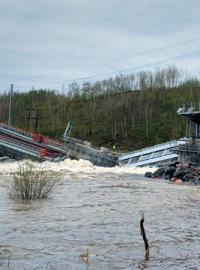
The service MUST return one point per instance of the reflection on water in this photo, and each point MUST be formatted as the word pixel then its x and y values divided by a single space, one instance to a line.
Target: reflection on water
pixel 101 210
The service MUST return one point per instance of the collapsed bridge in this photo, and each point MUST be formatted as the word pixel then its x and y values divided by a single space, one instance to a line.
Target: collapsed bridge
pixel 19 144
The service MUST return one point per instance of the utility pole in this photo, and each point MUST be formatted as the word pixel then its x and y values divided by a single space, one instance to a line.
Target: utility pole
pixel 37 118
pixel 29 116
pixel 34 114
pixel 146 116
pixel 10 106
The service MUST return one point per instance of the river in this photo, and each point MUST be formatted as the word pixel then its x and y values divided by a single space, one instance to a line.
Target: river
pixel 100 209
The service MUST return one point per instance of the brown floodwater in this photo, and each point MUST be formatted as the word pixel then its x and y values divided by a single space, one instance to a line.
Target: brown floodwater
pixel 101 210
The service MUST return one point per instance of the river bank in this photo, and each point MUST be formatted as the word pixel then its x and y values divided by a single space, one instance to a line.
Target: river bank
pixel 178 173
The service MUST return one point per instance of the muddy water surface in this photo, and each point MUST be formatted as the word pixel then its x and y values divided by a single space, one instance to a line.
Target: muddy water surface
pixel 100 210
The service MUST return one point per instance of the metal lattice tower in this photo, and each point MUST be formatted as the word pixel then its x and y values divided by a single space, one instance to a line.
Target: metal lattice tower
pixel 68 131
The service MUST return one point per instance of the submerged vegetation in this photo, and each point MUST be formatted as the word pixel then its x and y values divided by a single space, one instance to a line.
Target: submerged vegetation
pixel 129 111
pixel 31 183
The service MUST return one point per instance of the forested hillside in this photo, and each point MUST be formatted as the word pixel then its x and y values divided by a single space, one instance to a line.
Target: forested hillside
pixel 130 112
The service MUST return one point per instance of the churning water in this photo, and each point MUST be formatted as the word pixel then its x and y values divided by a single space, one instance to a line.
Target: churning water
pixel 100 209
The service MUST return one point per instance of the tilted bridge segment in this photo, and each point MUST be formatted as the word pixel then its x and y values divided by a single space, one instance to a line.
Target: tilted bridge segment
pixel 157 155
pixel 19 144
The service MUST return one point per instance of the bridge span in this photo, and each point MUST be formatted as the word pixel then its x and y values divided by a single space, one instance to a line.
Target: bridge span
pixel 18 144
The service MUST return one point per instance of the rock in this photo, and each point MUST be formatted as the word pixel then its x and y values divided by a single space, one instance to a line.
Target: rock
pixel 173 164
pixel 180 173
pixel 159 172
pixel 178 182
pixel 170 172
pixel 148 174
pixel 193 164
pixel 197 181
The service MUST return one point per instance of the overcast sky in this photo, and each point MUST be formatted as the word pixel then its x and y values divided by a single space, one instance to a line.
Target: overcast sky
pixel 48 43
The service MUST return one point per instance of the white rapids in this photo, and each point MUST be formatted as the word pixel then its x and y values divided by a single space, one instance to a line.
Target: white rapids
pixel 74 166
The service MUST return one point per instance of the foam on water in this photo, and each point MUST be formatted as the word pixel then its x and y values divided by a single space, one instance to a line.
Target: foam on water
pixel 80 166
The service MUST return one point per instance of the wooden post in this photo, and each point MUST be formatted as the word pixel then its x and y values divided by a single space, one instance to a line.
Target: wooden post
pixel 144 237
pixel 10 106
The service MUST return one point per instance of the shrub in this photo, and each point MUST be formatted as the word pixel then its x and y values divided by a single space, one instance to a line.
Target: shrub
pixel 30 182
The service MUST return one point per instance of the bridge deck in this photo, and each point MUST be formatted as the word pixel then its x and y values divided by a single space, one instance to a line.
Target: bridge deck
pixel 18 143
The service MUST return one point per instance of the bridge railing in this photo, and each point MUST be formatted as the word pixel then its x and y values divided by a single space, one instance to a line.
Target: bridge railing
pixel 16 130
pixel 189 108
pixel 91 151
pixel 26 147
pixel 169 144
pixel 22 132
pixel 189 146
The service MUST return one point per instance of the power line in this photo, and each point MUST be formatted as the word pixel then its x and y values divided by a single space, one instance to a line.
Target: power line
pixel 116 59
pixel 179 58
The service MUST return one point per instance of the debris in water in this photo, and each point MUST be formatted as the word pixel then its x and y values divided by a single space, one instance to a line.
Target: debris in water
pixel 85 257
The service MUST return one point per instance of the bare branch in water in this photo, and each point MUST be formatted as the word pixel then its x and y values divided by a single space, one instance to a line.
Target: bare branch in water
pixel 144 237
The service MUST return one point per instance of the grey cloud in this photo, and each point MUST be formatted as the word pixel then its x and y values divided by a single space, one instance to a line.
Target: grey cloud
pixel 40 37
pixel 138 16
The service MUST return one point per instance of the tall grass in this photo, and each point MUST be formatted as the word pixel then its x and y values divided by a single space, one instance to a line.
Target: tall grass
pixel 30 182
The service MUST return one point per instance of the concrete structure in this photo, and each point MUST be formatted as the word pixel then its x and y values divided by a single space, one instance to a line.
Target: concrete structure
pixel 190 152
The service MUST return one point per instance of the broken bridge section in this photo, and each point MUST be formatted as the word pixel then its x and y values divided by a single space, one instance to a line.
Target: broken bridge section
pixel 19 144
